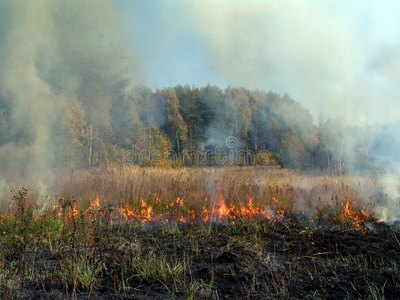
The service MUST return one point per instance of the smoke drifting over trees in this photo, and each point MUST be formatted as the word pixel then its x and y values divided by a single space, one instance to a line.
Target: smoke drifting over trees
pixel 52 52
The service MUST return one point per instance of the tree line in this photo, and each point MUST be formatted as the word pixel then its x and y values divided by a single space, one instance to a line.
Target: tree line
pixel 103 124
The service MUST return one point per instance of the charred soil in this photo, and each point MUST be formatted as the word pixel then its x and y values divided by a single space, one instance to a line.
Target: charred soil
pixel 253 259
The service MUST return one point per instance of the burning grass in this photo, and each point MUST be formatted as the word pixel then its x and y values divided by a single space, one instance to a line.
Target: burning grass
pixel 224 195
pixel 198 233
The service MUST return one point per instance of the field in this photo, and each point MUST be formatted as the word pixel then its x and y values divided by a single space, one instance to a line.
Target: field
pixel 207 233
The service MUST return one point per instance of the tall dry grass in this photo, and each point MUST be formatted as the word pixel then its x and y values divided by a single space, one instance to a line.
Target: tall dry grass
pixel 294 190
pixel 131 184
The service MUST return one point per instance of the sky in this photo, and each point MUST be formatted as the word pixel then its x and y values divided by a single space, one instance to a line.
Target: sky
pixel 338 58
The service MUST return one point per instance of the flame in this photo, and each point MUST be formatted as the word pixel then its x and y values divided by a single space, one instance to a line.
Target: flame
pixel 217 210
pixel 95 204
pixel 249 211
pixel 350 216
pixel 74 212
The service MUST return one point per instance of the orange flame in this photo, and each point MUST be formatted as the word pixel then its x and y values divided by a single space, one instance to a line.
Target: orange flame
pixel 217 210
pixel 349 216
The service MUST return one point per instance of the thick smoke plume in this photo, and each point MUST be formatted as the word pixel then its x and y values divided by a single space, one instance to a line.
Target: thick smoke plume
pixel 50 51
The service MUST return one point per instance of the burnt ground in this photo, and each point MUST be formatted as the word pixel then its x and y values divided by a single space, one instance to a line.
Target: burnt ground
pixel 249 260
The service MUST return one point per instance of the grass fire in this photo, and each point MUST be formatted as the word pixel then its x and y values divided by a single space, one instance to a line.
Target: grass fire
pixel 207 149
pixel 209 233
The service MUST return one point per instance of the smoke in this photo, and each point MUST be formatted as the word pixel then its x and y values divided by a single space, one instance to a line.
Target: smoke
pixel 31 98
pixel 50 51
pixel 319 52
pixel 338 59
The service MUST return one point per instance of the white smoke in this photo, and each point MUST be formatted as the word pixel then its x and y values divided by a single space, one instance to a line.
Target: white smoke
pixel 50 50
pixel 320 52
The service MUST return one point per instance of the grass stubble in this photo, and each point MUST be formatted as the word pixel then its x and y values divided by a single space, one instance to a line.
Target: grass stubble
pixel 311 246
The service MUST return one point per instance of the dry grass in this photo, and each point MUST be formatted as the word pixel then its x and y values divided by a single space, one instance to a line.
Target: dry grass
pixel 280 189
pixel 86 256
pixel 262 184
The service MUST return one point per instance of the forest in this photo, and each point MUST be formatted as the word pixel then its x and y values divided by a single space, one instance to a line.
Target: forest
pixel 111 124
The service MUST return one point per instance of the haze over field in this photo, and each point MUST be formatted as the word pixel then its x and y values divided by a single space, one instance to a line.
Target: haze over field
pixel 334 57
pixel 74 59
